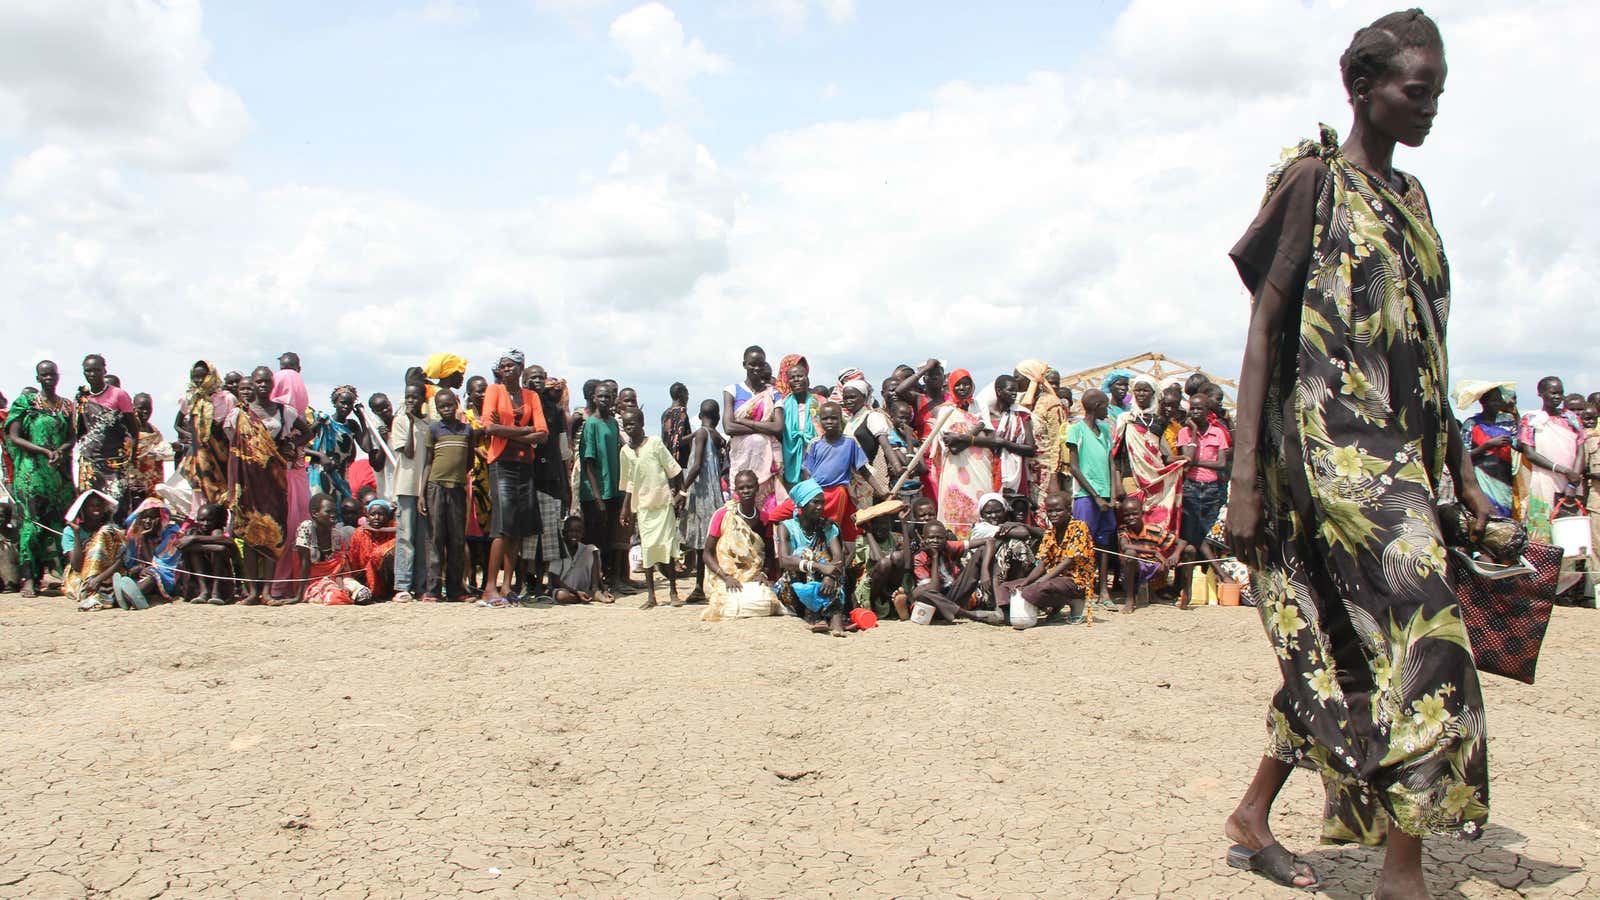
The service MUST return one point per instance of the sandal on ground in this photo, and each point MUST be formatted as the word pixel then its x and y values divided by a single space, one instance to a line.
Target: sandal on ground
pixel 494 603
pixel 1275 862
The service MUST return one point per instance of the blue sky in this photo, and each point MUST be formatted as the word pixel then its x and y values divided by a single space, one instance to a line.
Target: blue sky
pixel 640 189
pixel 514 99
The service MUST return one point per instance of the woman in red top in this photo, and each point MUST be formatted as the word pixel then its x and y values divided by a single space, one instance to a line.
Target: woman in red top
pixel 514 422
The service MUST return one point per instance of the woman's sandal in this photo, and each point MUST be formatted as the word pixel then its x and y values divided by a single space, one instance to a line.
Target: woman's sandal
pixel 1275 862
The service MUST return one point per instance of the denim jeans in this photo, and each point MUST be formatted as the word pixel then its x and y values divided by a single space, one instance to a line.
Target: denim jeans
pixel 410 547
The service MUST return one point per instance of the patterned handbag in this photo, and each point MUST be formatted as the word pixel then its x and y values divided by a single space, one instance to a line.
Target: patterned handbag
pixel 1507 608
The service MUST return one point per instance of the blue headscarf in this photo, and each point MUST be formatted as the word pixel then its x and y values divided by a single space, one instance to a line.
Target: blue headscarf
pixel 805 492
pixel 1105 386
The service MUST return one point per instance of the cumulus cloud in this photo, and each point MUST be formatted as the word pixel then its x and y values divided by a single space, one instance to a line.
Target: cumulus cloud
pixel 1077 214
pixel 662 58
pixel 127 77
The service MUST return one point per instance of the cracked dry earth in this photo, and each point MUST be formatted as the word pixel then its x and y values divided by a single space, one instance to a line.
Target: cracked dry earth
pixel 439 749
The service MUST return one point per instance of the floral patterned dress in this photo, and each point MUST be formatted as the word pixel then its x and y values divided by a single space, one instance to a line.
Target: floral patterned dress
pixel 1380 693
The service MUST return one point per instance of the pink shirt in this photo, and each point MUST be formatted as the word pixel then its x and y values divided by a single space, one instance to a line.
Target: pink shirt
pixel 1208 448
pixel 716 522
pixel 115 398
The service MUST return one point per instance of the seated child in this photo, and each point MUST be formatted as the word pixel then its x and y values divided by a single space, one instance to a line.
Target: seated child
pixel 1064 570
pixel 212 555
pixel 153 552
pixel 372 549
pixel 1008 555
pixel 1156 549
pixel 877 567
pixel 575 577
pixel 93 544
pixel 940 579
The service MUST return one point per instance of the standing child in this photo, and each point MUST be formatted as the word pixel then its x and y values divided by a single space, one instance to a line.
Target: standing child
pixel 370 439
pixel 598 494
pixel 409 439
pixel 444 503
pixel 702 482
pixel 1087 443
pixel 649 477
pixel 831 460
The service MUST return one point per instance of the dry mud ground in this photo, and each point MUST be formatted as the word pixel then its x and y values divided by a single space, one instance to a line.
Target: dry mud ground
pixel 438 749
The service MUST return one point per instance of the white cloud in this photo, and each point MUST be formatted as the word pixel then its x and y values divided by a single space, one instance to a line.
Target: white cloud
pixel 128 77
pixel 1077 215
pixel 662 58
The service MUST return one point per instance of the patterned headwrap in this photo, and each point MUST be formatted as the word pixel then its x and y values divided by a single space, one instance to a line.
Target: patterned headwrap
pixel 515 356
pixel 443 365
pixel 780 378
pixel 852 378
pixel 198 396
pixel 1034 370
pixel 148 504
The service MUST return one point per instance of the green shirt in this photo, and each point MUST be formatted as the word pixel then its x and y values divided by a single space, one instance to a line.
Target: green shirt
pixel 1094 456
pixel 602 446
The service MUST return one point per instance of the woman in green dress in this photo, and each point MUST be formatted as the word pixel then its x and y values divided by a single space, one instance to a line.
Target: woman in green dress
pixel 1344 437
pixel 40 428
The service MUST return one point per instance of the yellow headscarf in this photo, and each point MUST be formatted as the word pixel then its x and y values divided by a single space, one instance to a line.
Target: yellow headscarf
pixel 443 365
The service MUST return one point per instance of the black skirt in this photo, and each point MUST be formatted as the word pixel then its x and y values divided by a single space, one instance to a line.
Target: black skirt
pixel 516 510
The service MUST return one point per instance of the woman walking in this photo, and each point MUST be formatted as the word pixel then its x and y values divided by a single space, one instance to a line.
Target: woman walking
pixel 1344 436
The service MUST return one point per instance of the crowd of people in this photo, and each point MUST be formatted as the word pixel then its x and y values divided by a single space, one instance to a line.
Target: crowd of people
pixel 781 496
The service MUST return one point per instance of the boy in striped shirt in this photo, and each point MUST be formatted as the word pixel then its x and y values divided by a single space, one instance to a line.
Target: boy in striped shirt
pixel 1149 552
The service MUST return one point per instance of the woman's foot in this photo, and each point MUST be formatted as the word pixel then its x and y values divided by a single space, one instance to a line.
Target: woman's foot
pixel 698 595
pixel 676 600
pixel 819 627
pixel 649 603
pixel 29 589
pixel 1256 850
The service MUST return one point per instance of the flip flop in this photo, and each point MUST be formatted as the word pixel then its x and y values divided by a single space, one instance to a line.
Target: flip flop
pixel 1275 862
